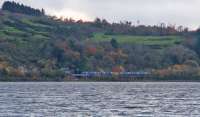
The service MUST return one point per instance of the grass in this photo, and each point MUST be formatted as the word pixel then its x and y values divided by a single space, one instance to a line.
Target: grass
pixel 12 30
pixel 31 23
pixel 143 40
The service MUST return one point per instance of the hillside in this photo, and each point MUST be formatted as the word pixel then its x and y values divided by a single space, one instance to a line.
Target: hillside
pixel 45 47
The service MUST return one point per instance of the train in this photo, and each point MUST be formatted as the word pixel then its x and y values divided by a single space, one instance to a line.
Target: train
pixel 112 74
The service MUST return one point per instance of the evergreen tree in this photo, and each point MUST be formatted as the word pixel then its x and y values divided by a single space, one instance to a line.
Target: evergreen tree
pixel 20 8
pixel 114 43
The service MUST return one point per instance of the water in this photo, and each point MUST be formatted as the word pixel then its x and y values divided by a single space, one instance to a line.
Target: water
pixel 100 99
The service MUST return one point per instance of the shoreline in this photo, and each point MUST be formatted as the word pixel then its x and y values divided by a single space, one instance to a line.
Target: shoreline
pixel 197 81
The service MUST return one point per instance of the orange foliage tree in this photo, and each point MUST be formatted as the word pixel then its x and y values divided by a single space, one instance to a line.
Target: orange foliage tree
pixel 118 69
pixel 91 50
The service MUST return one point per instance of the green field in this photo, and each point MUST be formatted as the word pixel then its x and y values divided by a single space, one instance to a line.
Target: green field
pixel 142 40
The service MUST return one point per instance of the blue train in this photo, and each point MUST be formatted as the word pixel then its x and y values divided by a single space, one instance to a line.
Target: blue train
pixel 112 74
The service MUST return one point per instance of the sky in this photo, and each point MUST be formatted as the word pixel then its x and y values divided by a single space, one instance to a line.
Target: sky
pixel 148 12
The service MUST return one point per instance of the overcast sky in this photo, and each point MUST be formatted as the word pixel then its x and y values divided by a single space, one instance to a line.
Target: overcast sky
pixel 179 12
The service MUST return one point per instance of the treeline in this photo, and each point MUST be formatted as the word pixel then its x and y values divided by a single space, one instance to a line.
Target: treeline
pixel 127 28
pixel 20 8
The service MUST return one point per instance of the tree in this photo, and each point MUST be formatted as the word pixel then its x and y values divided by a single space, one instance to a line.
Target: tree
pixel 197 45
pixel 20 8
pixel 97 22
pixel 91 50
pixel 192 63
pixel 114 43
pixel 118 69
pixel 43 11
pixel 180 54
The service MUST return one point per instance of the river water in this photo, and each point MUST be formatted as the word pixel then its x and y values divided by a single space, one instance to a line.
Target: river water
pixel 100 99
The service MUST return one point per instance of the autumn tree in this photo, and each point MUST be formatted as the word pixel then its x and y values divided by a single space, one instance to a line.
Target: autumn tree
pixel 91 50
pixel 118 69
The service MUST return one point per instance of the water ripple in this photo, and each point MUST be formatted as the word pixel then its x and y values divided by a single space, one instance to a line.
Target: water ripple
pixel 100 99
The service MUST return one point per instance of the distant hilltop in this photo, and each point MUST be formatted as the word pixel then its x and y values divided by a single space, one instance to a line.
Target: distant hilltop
pixel 20 8
pixel 161 29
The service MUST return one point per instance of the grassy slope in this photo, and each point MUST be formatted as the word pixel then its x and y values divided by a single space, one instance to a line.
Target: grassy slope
pixel 24 40
pixel 144 40
pixel 39 32
pixel 21 37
